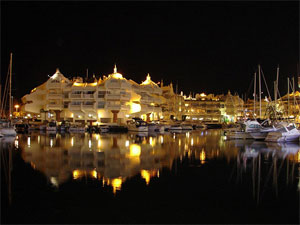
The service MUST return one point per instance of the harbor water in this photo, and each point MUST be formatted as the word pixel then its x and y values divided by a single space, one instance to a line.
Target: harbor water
pixel 183 177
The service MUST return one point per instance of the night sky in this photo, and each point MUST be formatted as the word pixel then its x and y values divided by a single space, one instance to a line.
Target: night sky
pixel 203 46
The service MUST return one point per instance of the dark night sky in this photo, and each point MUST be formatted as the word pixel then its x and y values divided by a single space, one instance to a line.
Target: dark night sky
pixel 210 47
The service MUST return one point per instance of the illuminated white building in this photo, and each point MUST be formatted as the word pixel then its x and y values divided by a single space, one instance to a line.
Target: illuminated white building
pixel 110 99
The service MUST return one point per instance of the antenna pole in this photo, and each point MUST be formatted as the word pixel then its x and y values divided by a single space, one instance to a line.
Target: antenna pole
pixel 10 74
pixel 259 80
pixel 254 103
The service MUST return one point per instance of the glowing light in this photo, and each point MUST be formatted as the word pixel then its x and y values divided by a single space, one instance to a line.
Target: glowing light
pixel 99 143
pixel 78 84
pixel 179 142
pixel 72 115
pixel 161 139
pixel 192 142
pixel 127 115
pixel 39 139
pixel 146 175
pixel 116 184
pixel 28 141
pixel 90 143
pixel 202 95
pixel 72 141
pixel 202 156
pixel 76 174
pixel 54 181
pixel 135 107
pixel 298 156
pixel 127 143
pixel 135 150
pixel 16 143
pixel 151 141
pixel 51 143
pixel 94 174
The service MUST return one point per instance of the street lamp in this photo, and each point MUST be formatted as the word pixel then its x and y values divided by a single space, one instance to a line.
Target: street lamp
pixel 17 106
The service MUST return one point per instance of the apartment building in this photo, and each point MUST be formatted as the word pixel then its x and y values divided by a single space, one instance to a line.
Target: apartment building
pixel 112 98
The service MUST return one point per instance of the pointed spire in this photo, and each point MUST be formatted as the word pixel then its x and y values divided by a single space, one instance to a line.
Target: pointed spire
pixel 148 77
pixel 115 68
pixel 57 70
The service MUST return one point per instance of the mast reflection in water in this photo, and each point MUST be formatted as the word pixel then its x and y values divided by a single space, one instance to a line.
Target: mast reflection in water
pixel 164 178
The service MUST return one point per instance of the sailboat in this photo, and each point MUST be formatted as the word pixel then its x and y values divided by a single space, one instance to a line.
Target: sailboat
pixel 6 127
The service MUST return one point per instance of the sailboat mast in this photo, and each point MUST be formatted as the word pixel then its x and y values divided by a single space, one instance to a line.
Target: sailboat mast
pixel 254 94
pixel 259 81
pixel 288 80
pixel 10 74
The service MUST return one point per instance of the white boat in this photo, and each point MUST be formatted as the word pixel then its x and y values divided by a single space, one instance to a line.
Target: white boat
pixel 7 129
pixel 186 127
pixel 245 131
pixel 137 125
pixel 156 128
pixel 76 128
pixel 285 134
pixel 175 127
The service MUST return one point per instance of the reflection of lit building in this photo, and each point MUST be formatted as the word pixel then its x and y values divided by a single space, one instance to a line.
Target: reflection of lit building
pixel 108 99
pixel 116 159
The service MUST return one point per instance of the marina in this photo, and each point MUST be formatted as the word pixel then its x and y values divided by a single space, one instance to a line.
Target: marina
pixel 69 177
pixel 150 112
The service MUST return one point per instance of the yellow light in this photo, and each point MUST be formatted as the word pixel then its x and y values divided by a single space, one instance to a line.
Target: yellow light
pixel 78 84
pixel 28 141
pixel 202 95
pixel 72 141
pixel 127 143
pixel 192 142
pixel 51 143
pixel 33 90
pixel 298 156
pixel 72 115
pixel 117 76
pixel 99 143
pixel 76 174
pixel 179 142
pixel 93 84
pixel 39 139
pixel 116 184
pixel 17 106
pixel 202 156
pixel 90 143
pixel 135 107
pixel 135 150
pixel 146 175
pixel 94 174
pixel 16 143
pixel 151 141
pixel 161 139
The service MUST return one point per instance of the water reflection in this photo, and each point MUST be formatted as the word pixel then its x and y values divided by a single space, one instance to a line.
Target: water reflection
pixel 114 158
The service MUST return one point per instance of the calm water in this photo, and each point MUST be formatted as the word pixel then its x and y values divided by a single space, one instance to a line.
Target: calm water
pixel 195 177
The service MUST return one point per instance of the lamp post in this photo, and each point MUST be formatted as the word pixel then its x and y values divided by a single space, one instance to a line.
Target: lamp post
pixel 16 107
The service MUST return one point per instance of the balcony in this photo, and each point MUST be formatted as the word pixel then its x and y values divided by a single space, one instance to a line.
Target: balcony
pixel 88 106
pixel 75 106
pixel 88 96
pixel 53 96
pixel 113 97
pixel 125 97
pixel 73 96
pixel 55 106
pixel 113 106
